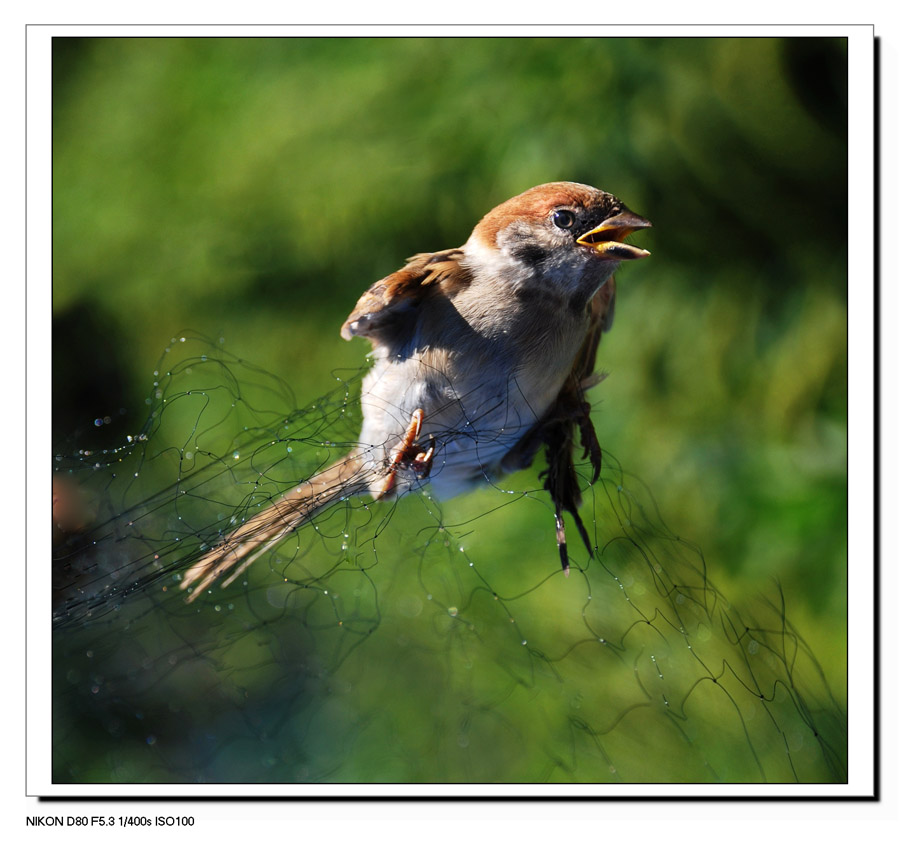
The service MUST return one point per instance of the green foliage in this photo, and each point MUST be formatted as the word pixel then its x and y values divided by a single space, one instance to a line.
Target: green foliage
pixel 251 189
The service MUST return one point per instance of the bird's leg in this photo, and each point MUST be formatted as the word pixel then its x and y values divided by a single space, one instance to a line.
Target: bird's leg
pixel 561 540
pixel 407 454
pixel 560 479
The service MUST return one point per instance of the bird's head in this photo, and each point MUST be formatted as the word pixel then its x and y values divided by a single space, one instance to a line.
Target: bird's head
pixel 563 236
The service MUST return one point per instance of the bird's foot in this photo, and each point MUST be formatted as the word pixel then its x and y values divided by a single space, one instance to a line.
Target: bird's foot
pixel 409 455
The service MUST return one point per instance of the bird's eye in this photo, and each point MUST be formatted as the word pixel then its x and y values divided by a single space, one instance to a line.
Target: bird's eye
pixel 564 219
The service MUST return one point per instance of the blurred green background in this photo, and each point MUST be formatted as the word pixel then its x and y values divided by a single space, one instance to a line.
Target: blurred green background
pixel 251 189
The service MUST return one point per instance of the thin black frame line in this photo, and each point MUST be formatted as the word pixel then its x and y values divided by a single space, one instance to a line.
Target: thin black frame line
pixel 877 766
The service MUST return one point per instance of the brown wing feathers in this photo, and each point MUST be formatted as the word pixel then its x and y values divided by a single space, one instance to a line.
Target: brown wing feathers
pixel 388 298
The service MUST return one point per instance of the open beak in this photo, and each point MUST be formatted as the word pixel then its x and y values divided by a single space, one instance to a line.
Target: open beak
pixel 607 240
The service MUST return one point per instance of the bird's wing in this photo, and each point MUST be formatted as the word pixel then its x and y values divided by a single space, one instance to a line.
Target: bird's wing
pixel 602 310
pixel 388 303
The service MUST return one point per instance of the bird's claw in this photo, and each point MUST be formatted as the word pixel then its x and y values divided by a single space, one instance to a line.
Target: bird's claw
pixel 408 454
pixel 421 464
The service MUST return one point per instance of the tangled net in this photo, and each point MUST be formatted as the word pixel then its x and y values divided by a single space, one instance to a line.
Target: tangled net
pixel 397 642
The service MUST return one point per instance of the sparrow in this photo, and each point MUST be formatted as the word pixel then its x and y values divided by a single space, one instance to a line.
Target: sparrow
pixel 481 355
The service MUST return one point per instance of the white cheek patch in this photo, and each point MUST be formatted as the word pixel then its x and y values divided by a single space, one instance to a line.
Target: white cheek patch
pixel 534 261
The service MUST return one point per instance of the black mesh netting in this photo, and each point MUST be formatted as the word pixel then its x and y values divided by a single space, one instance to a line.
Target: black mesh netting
pixel 413 641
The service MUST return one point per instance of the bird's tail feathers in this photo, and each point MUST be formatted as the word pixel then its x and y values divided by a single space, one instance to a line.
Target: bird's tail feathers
pixel 261 532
